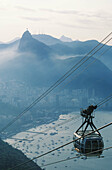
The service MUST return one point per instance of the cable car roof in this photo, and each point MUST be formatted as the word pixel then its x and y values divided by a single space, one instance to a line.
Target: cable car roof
pixel 94 134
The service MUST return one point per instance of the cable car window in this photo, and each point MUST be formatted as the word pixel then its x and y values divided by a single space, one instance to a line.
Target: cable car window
pixel 101 145
pixel 88 146
pixel 95 145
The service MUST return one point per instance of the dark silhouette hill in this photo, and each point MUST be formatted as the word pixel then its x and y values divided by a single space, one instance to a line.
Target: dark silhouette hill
pixel 39 64
pixel 11 157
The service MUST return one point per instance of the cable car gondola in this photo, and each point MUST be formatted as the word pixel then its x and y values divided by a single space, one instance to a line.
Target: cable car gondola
pixel 84 143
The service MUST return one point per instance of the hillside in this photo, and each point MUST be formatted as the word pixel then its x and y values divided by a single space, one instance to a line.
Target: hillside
pixel 30 45
pixel 46 39
pixel 45 46
pixel 34 72
pixel 10 157
pixel 37 67
pixel 29 73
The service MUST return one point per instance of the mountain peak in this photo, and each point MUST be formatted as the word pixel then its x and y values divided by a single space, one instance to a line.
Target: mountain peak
pixel 29 44
pixel 26 35
pixel 65 39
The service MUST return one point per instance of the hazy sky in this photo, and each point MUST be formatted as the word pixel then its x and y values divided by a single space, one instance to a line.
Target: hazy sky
pixel 77 19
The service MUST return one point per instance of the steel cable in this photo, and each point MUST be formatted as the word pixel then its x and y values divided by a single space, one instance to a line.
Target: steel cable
pixel 60 147
pixel 65 76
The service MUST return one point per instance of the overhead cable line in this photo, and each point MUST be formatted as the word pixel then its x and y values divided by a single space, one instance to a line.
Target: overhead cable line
pixel 57 83
pixel 13 168
pixel 68 159
pixel 69 120
pixel 87 67
pixel 109 97
pixel 99 104
pixel 44 131
pixel 105 100
pixel 50 128
pixel 57 125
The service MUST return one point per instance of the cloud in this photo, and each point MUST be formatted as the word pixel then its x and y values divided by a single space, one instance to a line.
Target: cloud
pixel 88 14
pixel 8 54
pixel 98 15
pixel 61 11
pixel 35 19
pixel 79 26
pixel 1 9
pixel 84 19
pixel 25 9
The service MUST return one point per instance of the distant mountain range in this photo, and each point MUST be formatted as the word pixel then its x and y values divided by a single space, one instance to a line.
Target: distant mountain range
pixel 65 39
pixel 47 39
pixel 29 44
pixel 40 60
pixel 51 46
pixel 40 63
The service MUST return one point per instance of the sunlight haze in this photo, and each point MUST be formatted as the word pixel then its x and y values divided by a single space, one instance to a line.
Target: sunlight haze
pixel 77 19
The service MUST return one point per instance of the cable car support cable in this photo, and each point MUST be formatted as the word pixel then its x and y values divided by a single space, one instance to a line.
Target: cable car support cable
pixel 63 160
pixel 105 100
pixel 57 83
pixel 60 146
pixel 86 67
pixel 66 85
pixel 69 120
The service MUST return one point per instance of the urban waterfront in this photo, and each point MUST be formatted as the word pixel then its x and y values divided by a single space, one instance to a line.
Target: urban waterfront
pixel 46 137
